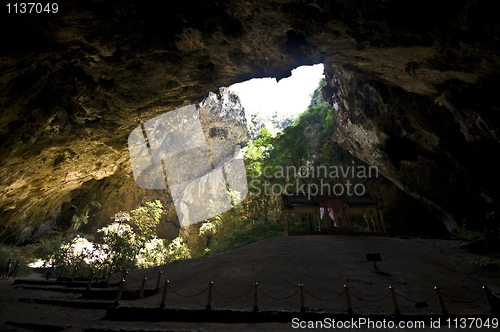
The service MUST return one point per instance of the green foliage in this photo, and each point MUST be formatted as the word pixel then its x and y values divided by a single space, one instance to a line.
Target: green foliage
pixel 488 261
pixel 83 216
pixel 145 219
pixel 121 245
pixel 154 253
pixel 292 146
pixel 211 226
pixel 46 249
pixel 317 94
pixel 178 250
pixel 438 101
pixel 467 234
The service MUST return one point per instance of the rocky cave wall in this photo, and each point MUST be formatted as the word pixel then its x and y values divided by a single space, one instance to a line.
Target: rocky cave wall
pixel 437 153
pixel 74 84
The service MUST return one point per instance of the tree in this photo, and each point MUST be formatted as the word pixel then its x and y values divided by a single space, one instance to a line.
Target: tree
pixel 145 219
pixel 120 245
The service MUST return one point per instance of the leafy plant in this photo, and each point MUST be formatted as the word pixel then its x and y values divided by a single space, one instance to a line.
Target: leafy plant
pixel 467 234
pixel 438 101
pixel 121 245
pixel 83 216
pixel 145 219
pixel 178 250
pixel 154 253
pixel 489 261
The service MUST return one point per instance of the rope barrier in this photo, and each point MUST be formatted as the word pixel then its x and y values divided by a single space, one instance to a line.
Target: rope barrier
pixel 119 276
pixel 131 278
pixel 373 301
pixel 318 298
pixel 154 278
pixel 232 297
pixel 278 299
pixel 426 300
pixel 458 301
pixel 187 295
pixel 392 292
pixel 130 291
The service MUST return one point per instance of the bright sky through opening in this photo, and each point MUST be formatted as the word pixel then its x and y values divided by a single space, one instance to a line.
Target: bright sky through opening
pixel 288 96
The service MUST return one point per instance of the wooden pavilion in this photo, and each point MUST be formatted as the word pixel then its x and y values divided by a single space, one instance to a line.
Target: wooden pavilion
pixel 330 214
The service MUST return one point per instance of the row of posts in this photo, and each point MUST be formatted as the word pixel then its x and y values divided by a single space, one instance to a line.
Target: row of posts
pixel 92 272
pixel 301 292
pixel 91 275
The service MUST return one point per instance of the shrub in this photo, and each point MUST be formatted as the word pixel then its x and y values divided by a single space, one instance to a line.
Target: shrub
pixel 178 250
pixel 489 261
pixel 154 253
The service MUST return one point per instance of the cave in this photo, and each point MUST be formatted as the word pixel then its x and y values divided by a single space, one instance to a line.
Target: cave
pixel 415 82
pixel 416 96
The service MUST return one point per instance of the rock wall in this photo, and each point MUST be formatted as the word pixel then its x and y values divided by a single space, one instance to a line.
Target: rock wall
pixel 73 84
pixel 440 158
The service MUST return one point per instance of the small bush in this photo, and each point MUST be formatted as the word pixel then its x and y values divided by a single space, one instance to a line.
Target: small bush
pixel 467 234
pixel 489 261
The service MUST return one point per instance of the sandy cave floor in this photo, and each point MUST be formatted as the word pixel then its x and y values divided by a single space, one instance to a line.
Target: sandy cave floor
pixel 322 263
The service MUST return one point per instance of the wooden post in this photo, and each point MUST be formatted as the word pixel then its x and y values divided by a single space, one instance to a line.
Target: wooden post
pixel 141 293
pixel 209 301
pixel 394 301
pixel 62 272
pixel 255 297
pixel 302 305
pixel 98 275
pixel 91 276
pixel 440 298
pixel 348 299
pixel 109 276
pixel 373 217
pixel 74 273
pixel 287 226
pixel 119 293
pixel 164 296
pixel 367 222
pixel 488 297
pixel 158 282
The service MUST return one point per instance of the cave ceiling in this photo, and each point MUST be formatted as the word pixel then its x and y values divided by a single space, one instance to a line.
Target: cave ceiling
pixel 73 84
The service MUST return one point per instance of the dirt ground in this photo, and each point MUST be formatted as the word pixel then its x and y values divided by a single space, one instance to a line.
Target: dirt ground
pixel 322 263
